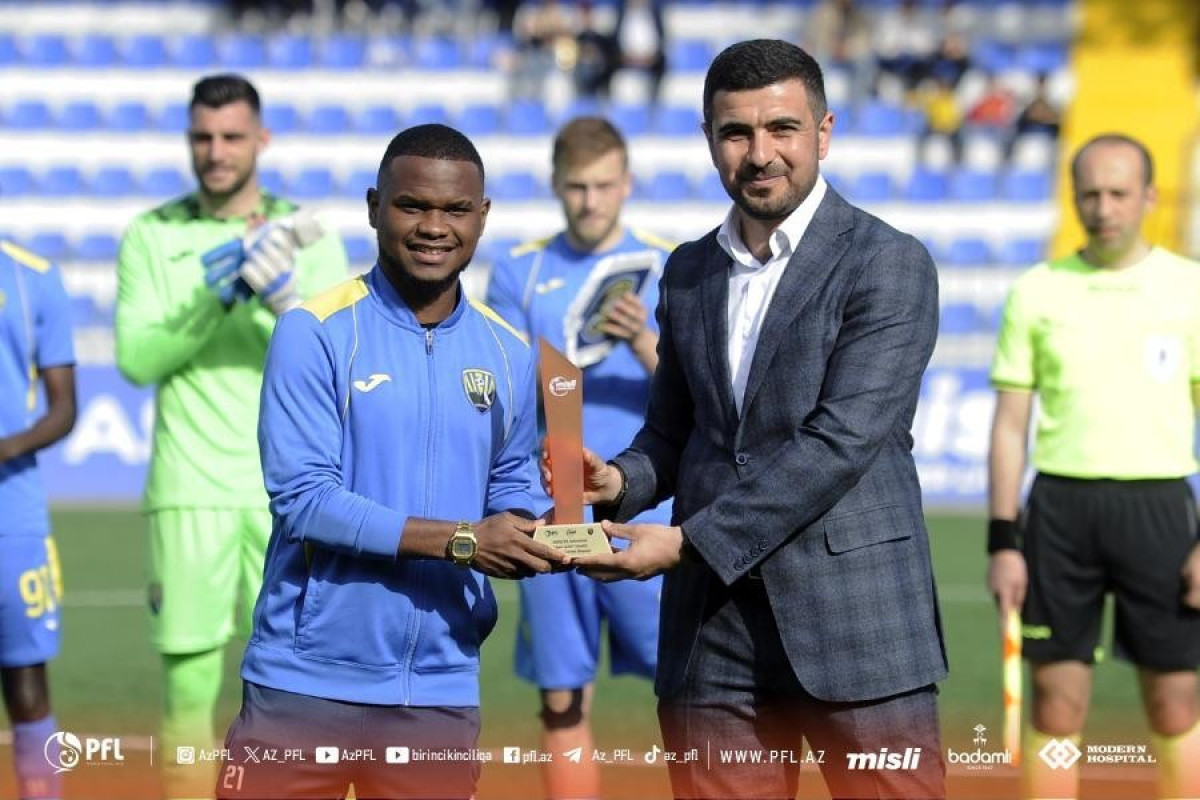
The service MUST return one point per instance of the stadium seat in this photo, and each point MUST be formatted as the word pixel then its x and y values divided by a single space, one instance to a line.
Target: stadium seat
pixel 27 115
pixel 972 186
pixel 281 118
pixel 1026 186
pixel 360 250
pixel 1020 252
pixel 993 56
pixel 80 115
pixel 668 186
pixel 428 113
pixel 967 251
pixel 311 183
pixel 328 120
pixel 478 119
pixel 676 121
pixel 958 319
pixel 517 186
pixel 45 50
pixel 272 181
pixel 874 118
pixel 378 119
pixel 144 51
pixel 9 53
pixel 357 183
pixel 173 118
pixel 342 51
pixel 581 107
pixel 926 186
pixel 689 55
pixel 242 51
pixel 483 50
pixel 1042 58
pixel 97 247
pixel 711 190
pixel 436 53
pixel 527 118
pixel 631 119
pixel 193 50
pixel 289 51
pixel 49 244
pixel 113 181
pixel 129 116
pixel 1034 151
pixel 82 310
pixel 871 187
pixel 16 181
pixel 96 50
pixel 62 181
pixel 165 182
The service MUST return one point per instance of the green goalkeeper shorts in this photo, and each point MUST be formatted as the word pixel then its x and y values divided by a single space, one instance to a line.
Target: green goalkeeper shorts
pixel 205 572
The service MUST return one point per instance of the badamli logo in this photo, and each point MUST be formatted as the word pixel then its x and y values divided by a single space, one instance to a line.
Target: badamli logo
pixel 64 751
pixel 979 759
pixel 909 759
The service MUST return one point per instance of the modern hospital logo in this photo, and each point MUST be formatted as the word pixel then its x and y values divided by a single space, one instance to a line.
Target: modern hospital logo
pixel 979 759
pixel 64 751
pixel 1060 754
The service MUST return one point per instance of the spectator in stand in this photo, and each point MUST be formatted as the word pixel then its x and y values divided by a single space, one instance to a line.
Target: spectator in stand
pixel 838 33
pixel 905 39
pixel 544 31
pixel 596 56
pixel 641 38
pixel 943 115
pixel 1040 116
pixel 995 109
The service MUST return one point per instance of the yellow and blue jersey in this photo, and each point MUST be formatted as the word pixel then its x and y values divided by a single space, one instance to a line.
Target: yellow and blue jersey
pixel 35 334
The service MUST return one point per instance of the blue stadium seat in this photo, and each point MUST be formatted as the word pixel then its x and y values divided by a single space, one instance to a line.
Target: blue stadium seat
pixel 871 187
pixel 360 250
pixel 676 121
pixel 1021 252
pixel 49 244
pixel 272 180
pixel 281 117
pixel 958 319
pixel 193 50
pixel 342 51
pixel 517 186
pixel 144 51
pixel 378 119
pixel 926 186
pixel 1026 186
pixel 9 52
pixel 16 181
pixel 83 310
pixel 689 55
pixel 328 120
pixel 874 118
pixel 165 182
pixel 28 115
pixel 668 186
pixel 242 51
pixel 993 56
pixel 173 118
pixel 357 182
pixel 113 181
pixel 80 115
pixel 483 50
pixel 478 119
pixel 97 247
pixel 527 118
pixel 289 51
pixel 581 107
pixel 1042 57
pixel 311 183
pixel 436 53
pixel 426 113
pixel 96 50
pixel 62 181
pixel 972 186
pixel 968 251
pixel 710 189
pixel 46 50
pixel 129 116
pixel 630 119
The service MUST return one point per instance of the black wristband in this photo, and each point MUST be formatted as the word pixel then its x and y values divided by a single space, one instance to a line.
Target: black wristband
pixel 1003 534
pixel 616 502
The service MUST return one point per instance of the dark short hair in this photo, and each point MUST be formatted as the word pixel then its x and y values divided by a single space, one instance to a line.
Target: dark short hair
pixel 431 141
pixel 584 139
pixel 1116 138
pixel 214 91
pixel 762 62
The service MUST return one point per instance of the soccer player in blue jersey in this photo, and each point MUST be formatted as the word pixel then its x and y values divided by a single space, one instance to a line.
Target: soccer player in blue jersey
pixel 397 431
pixel 544 288
pixel 35 342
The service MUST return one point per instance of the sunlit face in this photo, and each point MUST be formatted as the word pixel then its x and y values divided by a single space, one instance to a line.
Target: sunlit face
pixel 225 144
pixel 591 196
pixel 1111 196
pixel 767 147
pixel 428 214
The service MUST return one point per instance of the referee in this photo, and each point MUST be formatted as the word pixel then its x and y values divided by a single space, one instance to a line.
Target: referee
pixel 1108 339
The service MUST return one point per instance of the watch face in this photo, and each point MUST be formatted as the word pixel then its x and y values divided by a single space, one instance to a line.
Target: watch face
pixel 462 547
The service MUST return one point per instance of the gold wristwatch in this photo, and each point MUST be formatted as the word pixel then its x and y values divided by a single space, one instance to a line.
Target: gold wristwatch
pixel 462 545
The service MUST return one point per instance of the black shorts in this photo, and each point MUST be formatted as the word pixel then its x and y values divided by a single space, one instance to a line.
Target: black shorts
pixel 1085 538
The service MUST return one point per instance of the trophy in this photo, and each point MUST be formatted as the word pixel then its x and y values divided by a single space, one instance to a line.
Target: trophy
pixel 562 401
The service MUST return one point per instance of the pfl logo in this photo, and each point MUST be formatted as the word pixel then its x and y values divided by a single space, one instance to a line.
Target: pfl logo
pixel 64 750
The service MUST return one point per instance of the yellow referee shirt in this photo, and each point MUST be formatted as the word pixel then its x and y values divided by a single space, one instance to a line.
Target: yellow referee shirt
pixel 1112 355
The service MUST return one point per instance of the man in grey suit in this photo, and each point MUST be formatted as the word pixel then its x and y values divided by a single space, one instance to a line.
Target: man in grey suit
pixel 799 597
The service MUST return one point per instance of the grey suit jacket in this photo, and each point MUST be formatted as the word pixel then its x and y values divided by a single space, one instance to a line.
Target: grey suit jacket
pixel 815 482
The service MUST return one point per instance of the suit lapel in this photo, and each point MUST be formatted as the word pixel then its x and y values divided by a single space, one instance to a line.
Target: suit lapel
pixel 816 256
pixel 714 302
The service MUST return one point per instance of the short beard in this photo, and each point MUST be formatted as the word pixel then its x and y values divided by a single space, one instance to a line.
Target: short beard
pixel 417 293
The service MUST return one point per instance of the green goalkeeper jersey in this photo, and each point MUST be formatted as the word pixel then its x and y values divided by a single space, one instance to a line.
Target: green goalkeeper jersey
pixel 205 361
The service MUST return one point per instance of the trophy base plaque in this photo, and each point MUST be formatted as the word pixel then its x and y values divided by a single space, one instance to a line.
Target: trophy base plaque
pixel 578 539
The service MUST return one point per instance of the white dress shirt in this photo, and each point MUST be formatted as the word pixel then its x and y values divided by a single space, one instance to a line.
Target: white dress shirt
pixel 752 283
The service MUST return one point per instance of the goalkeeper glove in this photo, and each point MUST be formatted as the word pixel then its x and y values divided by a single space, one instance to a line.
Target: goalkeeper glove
pixel 262 262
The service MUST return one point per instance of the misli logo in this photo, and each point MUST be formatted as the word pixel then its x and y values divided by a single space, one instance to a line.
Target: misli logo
pixel 560 386
pixel 909 758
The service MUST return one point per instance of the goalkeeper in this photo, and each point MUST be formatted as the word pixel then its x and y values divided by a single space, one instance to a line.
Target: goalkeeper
pixel 201 280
